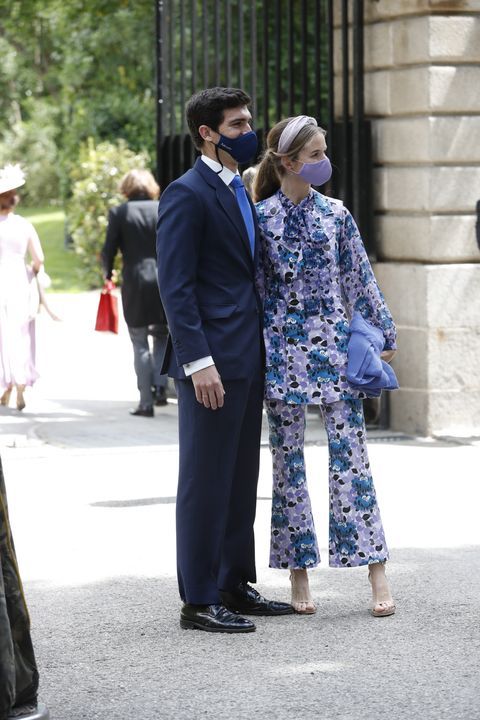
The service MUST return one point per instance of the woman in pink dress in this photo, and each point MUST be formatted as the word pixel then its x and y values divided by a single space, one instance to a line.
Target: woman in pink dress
pixel 17 324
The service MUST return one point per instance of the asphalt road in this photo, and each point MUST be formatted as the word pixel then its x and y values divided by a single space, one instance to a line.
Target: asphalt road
pixel 92 500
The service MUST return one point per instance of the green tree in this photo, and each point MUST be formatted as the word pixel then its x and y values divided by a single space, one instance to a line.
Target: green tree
pixel 74 70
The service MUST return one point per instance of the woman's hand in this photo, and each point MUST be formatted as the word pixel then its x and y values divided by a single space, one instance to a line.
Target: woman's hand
pixel 388 355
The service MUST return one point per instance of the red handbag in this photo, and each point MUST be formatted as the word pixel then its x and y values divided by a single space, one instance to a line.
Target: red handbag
pixel 107 314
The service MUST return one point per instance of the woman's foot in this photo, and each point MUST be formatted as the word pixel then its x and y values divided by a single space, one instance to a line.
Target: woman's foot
pixel 20 397
pixel 383 604
pixel 302 601
pixel 5 399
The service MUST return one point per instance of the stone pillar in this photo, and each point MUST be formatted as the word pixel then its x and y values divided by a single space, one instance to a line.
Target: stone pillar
pixel 422 93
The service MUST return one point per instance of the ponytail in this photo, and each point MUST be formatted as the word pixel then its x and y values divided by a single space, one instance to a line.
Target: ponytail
pixel 267 179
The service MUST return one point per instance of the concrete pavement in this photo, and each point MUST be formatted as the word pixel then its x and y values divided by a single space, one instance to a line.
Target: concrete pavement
pixel 92 499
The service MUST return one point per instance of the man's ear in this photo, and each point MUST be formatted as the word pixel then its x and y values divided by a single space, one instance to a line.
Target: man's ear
pixel 206 133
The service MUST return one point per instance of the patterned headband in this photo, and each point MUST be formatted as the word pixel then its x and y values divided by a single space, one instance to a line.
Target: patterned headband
pixel 291 130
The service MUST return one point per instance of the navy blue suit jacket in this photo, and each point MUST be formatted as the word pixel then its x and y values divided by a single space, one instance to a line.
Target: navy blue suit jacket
pixel 206 275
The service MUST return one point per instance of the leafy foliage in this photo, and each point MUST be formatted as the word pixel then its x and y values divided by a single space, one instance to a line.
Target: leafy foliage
pixel 33 144
pixel 86 68
pixel 71 71
pixel 95 180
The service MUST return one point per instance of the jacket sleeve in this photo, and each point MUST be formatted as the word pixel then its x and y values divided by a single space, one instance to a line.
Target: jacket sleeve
pixel 260 279
pixel 35 248
pixel 112 242
pixel 260 271
pixel 179 234
pixel 359 285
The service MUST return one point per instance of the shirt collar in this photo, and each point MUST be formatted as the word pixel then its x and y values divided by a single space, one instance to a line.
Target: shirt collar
pixel 225 175
pixel 307 201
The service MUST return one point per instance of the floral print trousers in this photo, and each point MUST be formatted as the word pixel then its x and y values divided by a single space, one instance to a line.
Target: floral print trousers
pixel 356 532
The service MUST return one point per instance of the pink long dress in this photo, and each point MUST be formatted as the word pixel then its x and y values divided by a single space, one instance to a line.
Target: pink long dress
pixel 17 327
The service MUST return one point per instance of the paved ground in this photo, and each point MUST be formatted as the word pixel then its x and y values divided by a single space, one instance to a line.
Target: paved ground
pixel 92 493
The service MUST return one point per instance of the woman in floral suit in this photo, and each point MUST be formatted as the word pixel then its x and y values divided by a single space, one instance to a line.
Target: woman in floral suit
pixel 316 274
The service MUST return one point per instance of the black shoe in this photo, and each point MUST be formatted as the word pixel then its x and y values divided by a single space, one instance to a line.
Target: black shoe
pixel 246 600
pixel 213 618
pixel 142 411
pixel 159 395
pixel 30 711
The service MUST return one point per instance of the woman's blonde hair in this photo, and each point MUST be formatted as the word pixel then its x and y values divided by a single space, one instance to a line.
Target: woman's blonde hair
pixel 138 183
pixel 270 170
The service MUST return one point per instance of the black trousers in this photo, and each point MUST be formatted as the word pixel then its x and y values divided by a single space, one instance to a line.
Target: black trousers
pixel 217 489
pixel 18 670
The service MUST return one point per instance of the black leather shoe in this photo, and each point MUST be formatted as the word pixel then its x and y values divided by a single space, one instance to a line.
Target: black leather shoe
pixel 246 600
pixel 142 412
pixel 213 618
pixel 159 395
pixel 30 711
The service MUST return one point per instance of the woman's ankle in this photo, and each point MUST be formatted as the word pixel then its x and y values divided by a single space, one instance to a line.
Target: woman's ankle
pixel 377 569
pixel 299 575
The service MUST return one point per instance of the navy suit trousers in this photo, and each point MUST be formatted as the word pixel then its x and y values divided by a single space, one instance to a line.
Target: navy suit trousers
pixel 217 489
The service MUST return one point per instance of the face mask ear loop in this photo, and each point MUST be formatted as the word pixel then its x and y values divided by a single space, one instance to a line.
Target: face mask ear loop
pixel 218 158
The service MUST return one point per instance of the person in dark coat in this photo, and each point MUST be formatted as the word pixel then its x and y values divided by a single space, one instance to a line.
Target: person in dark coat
pixel 207 248
pixel 132 230
pixel 18 669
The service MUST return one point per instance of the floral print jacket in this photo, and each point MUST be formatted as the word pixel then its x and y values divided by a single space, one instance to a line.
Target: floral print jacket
pixel 315 273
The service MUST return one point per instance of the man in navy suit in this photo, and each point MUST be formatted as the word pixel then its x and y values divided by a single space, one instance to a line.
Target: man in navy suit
pixel 207 248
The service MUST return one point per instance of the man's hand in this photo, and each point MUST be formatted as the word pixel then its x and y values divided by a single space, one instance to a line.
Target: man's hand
pixel 388 355
pixel 208 387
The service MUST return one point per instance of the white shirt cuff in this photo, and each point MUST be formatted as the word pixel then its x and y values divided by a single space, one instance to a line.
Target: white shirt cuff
pixel 196 365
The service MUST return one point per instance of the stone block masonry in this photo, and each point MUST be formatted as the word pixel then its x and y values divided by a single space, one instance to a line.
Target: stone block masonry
pixel 422 94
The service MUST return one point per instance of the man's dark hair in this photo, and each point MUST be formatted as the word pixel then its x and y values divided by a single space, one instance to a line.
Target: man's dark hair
pixel 207 107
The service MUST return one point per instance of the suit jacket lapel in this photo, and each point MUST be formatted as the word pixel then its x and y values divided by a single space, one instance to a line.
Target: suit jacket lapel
pixel 229 204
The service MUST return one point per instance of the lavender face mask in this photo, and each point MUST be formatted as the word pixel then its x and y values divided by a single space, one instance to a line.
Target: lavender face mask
pixel 317 173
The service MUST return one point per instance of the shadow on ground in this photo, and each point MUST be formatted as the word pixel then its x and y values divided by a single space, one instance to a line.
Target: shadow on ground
pixel 80 423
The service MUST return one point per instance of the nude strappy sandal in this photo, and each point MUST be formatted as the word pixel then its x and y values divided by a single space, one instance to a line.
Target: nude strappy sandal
pixel 384 608
pixel 301 604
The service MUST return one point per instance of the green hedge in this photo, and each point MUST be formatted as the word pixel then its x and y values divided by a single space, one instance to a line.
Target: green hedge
pixel 95 181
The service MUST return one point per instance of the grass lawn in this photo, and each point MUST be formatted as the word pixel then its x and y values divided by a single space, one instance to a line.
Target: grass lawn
pixel 61 264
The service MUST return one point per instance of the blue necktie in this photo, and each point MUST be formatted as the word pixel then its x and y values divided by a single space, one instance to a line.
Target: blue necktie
pixel 245 209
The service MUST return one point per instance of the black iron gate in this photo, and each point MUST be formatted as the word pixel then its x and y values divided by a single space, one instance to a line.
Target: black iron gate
pixel 291 56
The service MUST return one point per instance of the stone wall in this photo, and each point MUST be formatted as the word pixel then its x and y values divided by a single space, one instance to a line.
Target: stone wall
pixel 422 92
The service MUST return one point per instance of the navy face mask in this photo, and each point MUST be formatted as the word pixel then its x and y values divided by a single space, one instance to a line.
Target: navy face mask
pixel 241 148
